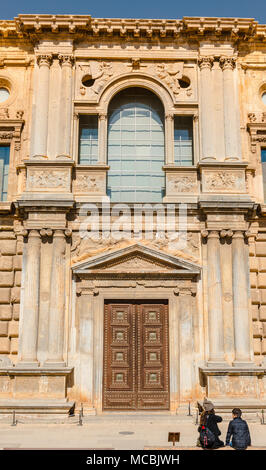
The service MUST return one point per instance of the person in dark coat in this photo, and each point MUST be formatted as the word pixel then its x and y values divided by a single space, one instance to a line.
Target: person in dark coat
pixel 239 431
pixel 209 419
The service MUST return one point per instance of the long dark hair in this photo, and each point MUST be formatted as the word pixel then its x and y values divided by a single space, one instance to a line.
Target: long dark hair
pixel 203 416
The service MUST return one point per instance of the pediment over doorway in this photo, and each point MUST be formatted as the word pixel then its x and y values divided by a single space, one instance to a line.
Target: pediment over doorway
pixel 138 260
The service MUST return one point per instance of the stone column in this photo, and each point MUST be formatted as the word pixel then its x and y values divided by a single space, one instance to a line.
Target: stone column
pixel 227 285
pixel 242 324
pixel 30 317
pixel 41 106
pixel 65 106
pixel 215 306
pixel 102 139
pixel 231 128
pixel 169 139
pixel 86 345
pixel 57 302
pixel 206 109
pixel 186 344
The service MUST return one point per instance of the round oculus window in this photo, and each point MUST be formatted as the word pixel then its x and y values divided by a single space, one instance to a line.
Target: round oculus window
pixel 4 94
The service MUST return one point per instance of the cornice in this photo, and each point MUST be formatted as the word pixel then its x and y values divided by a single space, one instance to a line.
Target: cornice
pixel 32 27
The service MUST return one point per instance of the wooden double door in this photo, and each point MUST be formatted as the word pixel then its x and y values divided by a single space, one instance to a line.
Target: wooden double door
pixel 136 358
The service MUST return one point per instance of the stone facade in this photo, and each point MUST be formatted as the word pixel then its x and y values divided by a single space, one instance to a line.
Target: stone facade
pixel 54 283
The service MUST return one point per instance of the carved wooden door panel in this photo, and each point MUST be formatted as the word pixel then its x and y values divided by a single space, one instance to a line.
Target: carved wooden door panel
pixel 136 356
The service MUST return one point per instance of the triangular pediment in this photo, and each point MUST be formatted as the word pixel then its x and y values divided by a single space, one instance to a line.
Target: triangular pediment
pixel 136 259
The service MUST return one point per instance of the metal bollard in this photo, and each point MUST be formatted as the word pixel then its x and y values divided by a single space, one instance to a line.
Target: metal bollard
pixel 197 417
pixel 81 409
pixel 80 419
pixel 14 422
pixel 262 417
pixel 189 411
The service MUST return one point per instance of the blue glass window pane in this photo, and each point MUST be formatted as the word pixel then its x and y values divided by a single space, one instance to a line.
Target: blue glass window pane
pixel 183 140
pixel 4 168
pixel 88 140
pixel 263 155
pixel 136 139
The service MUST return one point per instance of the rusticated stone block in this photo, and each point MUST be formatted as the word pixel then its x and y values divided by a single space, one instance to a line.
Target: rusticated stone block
pixel 263 346
pixel 17 263
pixel 3 328
pixel 261 264
pixel 264 328
pixel 255 296
pixel 261 248
pixel 253 279
pixel 6 263
pixel 5 295
pixel 8 247
pixel 263 296
pixel 261 236
pixel 253 263
pixel 4 345
pixel 18 278
pixel 15 295
pixel 16 311
pixel 257 329
pixel 14 346
pixel 261 280
pixel 255 312
pixel 5 312
pixel 262 311
pixel 20 248
pixel 13 329
pixel 6 279
pixel 257 345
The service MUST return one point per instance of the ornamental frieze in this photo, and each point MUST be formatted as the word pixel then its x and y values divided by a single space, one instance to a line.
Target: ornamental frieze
pixel 47 179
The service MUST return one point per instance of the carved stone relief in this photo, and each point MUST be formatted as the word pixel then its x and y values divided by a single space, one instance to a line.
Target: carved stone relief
pixel 224 181
pixel 47 179
pixel 181 183
pixel 92 183
pixel 98 73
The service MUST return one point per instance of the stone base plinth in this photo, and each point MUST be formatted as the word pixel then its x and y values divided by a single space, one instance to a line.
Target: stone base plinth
pixel 31 384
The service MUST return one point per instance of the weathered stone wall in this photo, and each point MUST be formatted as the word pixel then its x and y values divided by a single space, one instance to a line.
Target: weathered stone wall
pixel 10 283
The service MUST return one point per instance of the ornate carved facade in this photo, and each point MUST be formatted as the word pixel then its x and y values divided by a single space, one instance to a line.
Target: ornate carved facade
pixel 190 319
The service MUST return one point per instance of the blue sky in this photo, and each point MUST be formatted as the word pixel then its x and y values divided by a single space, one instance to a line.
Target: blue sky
pixel 139 8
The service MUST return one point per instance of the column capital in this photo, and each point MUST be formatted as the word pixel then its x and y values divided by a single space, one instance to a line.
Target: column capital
pixel 226 233
pixel 33 233
pixel 46 232
pixel 238 234
pixel 102 116
pixel 205 62
pixel 66 59
pixel 22 232
pixel 227 63
pixel 44 59
pixel 169 116
pixel 186 291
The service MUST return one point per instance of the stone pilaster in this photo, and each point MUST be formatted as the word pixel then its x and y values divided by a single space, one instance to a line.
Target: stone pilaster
pixel 242 325
pixel 102 139
pixel 57 302
pixel 186 344
pixel 64 131
pixel 86 346
pixel 41 106
pixel 169 139
pixel 215 306
pixel 30 317
pixel 231 126
pixel 206 106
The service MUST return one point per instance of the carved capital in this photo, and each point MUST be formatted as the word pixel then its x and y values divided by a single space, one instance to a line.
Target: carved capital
pixel 226 233
pixel 204 234
pixel 227 63
pixel 44 59
pixel 46 232
pixel 169 117
pixel 102 116
pixel 68 232
pixel 65 59
pixel 205 62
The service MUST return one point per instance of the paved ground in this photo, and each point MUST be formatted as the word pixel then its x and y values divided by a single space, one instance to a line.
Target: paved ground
pixel 112 432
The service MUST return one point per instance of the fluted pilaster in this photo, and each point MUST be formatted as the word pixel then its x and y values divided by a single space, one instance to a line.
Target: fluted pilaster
pixel 206 109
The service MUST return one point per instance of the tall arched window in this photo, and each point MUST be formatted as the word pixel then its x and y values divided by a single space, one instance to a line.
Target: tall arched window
pixel 135 147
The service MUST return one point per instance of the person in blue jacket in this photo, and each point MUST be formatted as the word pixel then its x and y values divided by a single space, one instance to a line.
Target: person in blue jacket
pixel 239 431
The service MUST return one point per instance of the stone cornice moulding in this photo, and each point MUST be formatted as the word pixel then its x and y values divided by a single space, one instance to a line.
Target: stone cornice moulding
pixel 32 26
